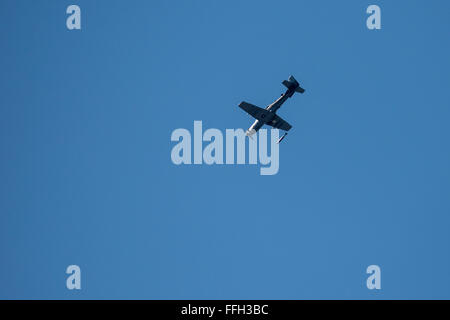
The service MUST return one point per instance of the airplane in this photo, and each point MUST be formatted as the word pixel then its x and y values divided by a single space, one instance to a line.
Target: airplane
pixel 268 115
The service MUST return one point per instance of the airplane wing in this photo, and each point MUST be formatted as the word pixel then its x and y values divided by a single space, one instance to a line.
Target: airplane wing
pixel 254 111
pixel 279 123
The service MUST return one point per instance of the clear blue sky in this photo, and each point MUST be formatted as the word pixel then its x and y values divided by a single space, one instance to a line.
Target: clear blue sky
pixel 86 176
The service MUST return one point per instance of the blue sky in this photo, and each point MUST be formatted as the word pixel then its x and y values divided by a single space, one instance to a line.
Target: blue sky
pixel 86 176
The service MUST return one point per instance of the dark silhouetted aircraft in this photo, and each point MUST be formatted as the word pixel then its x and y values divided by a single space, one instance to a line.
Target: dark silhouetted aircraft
pixel 268 115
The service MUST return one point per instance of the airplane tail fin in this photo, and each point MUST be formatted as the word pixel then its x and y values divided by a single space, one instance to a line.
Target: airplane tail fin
pixel 293 85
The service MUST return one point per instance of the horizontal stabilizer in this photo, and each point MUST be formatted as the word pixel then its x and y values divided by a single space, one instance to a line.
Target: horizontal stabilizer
pixel 293 85
pixel 300 89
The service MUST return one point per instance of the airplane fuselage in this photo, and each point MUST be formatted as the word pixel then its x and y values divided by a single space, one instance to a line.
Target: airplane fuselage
pixel 273 107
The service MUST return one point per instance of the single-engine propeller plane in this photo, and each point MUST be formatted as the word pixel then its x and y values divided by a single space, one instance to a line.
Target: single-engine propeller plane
pixel 268 115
